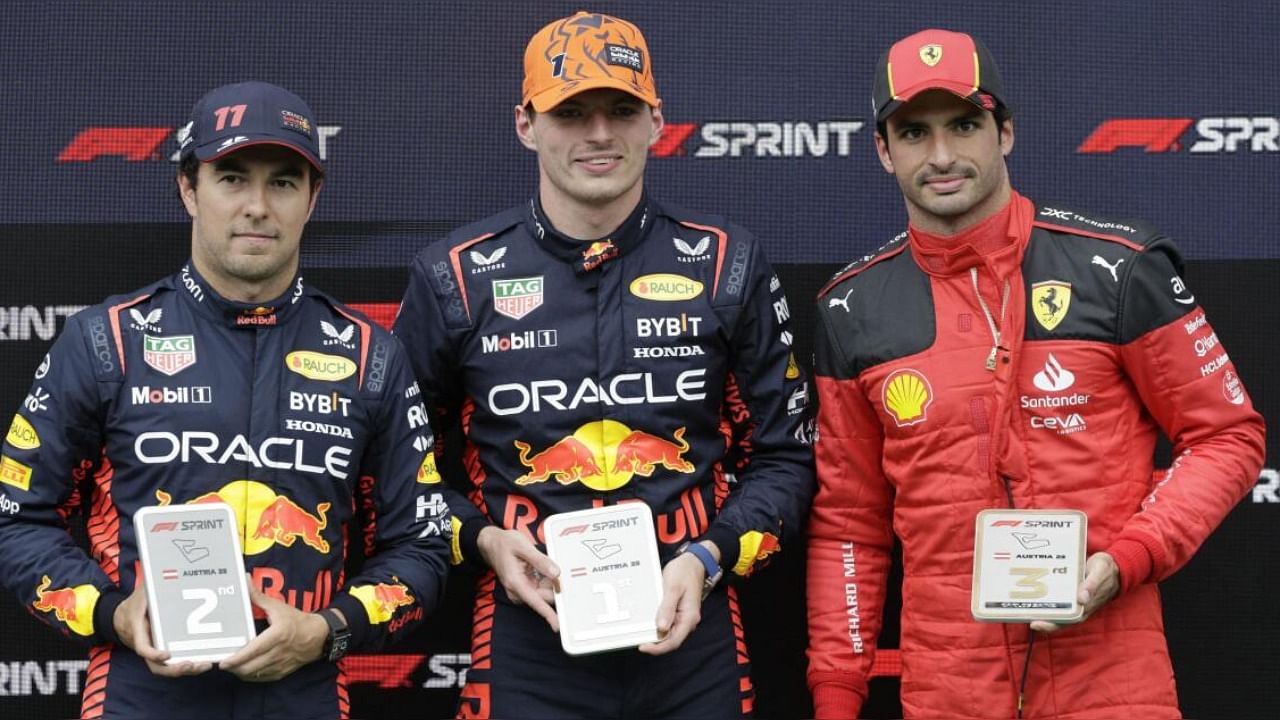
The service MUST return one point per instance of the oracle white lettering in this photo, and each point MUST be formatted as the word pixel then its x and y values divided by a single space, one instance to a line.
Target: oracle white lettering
pixel 164 447
pixel 624 389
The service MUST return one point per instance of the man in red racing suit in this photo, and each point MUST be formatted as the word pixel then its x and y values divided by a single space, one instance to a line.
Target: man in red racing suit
pixel 999 354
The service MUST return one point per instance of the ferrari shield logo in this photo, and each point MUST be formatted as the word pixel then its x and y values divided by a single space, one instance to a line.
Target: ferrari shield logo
pixel 1049 302
pixel 931 54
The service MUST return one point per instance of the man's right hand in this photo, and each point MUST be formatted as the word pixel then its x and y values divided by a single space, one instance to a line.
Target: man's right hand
pixel 528 576
pixel 134 630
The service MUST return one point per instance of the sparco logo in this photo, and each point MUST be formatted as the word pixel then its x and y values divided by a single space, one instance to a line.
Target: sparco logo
pixel 378 365
pixel 738 270
pixel 101 344
pixel 1229 134
pixel 24 321
pixel 453 308
pixel 757 139
pixel 624 389
pixel 147 395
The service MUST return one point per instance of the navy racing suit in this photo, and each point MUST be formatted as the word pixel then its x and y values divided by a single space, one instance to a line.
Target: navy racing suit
pixel 299 413
pixel 652 365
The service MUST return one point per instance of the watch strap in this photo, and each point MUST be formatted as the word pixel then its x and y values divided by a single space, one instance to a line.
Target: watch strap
pixel 709 564
pixel 335 646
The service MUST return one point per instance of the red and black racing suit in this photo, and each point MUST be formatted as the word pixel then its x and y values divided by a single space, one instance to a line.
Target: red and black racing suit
pixel 299 413
pixel 926 419
pixel 651 365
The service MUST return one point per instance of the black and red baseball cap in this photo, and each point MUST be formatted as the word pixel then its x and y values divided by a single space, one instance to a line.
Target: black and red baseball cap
pixel 936 60
pixel 236 116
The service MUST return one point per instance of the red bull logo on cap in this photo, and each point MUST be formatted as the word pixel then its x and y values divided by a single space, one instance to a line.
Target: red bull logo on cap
pixel 604 455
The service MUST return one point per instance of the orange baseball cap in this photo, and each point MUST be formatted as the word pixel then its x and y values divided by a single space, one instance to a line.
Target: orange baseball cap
pixel 583 52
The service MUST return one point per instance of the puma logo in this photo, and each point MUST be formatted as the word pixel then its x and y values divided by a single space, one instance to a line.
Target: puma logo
pixel 843 302
pixel 1097 260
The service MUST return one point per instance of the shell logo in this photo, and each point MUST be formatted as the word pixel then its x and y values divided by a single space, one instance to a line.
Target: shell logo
pixel 907 396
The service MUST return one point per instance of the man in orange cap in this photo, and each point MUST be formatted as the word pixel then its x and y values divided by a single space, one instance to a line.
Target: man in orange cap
pixel 1000 354
pixel 601 347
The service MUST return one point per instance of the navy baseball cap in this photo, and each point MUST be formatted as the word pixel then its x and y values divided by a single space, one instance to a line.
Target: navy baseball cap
pixel 234 117
pixel 936 60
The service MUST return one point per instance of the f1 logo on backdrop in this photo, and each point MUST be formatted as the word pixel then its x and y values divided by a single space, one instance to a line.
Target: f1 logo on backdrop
pixel 144 144
pixel 757 139
pixel 1211 135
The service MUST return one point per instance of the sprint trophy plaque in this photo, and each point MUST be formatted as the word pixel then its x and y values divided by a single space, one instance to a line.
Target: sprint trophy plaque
pixel 197 597
pixel 610 577
pixel 1028 565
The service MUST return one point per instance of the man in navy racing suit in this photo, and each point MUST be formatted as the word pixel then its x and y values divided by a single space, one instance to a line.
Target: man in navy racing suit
pixel 231 380
pixel 598 346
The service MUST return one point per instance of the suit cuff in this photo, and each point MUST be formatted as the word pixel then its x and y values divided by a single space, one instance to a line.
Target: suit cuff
pixel 469 537
pixel 104 614
pixel 1134 561
pixel 726 540
pixel 835 701
pixel 356 615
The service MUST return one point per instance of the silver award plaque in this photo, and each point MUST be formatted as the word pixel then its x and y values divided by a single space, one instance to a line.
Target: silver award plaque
pixel 610 578
pixel 1028 565
pixel 197 597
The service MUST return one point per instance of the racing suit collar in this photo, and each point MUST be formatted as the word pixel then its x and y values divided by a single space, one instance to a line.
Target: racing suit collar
pixel 587 255
pixel 996 243
pixel 234 314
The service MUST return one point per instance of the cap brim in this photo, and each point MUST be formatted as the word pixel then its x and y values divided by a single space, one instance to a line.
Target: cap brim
pixel 551 97
pixel 960 90
pixel 213 151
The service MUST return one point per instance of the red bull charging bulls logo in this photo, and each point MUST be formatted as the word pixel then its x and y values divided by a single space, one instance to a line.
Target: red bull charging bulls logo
pixel 265 518
pixel 71 605
pixel 604 455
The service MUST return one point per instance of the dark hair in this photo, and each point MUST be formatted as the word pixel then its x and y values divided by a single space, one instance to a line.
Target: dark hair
pixel 189 167
pixel 1001 113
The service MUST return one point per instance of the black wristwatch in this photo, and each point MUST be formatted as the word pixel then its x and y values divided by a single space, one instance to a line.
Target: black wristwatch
pixel 714 571
pixel 335 647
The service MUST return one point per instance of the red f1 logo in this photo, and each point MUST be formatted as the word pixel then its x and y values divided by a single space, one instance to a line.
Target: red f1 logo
pixel 131 143
pixel 1153 134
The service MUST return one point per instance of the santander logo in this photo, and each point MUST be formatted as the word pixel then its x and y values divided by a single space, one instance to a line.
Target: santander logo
pixel 1054 377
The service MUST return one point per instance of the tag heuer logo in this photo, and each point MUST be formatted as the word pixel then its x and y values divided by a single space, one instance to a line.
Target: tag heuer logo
pixel 517 297
pixel 169 355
